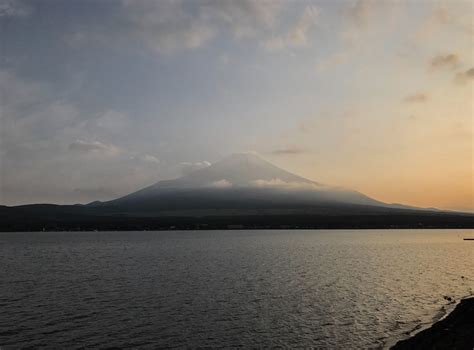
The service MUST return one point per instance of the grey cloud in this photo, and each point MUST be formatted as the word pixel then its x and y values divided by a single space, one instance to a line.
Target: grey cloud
pixel 49 147
pixel 419 97
pixel 13 8
pixel 29 116
pixel 95 192
pixel 443 17
pixel 362 11
pixel 449 61
pixel 246 18
pixel 288 151
pixel 51 175
pixel 168 26
pixel 112 120
pixel 17 95
pixel 110 150
pixel 298 35
pixel 363 18
pixel 463 77
pixel 365 12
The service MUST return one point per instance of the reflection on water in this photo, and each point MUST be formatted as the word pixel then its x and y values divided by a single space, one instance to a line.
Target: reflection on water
pixel 338 289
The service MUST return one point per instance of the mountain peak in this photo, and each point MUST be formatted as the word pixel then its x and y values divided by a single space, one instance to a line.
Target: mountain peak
pixel 243 159
pixel 241 169
pixel 243 155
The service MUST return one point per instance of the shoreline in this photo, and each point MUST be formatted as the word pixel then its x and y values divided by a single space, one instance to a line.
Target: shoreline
pixel 453 331
pixel 272 228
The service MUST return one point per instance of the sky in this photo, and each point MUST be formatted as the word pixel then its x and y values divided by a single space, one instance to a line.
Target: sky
pixel 99 98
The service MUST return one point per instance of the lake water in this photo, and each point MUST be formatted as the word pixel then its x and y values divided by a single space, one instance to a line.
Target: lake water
pixel 330 289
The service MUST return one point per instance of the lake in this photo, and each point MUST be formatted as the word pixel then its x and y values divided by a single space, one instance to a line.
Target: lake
pixel 301 288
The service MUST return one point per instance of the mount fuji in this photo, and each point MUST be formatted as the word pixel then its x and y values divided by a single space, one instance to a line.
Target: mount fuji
pixel 240 191
pixel 242 180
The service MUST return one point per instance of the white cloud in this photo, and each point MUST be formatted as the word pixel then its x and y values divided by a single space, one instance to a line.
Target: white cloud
pixel 94 147
pixel 189 167
pixel 220 184
pixel 278 183
pixel 147 158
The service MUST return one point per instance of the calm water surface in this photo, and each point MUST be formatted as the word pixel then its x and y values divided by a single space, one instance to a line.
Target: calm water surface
pixel 330 289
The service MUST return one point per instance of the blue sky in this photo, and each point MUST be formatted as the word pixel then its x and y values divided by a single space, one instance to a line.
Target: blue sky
pixel 99 98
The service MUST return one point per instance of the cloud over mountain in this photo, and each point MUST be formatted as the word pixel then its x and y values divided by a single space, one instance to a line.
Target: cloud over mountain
pixel 189 167
pixel 288 151
pixel 94 147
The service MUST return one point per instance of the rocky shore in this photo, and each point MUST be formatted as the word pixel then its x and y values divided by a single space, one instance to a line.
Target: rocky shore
pixel 456 331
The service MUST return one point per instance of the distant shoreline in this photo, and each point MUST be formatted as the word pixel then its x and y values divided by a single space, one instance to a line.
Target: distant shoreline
pixel 220 212
pixel 455 331
pixel 78 219
pixel 241 229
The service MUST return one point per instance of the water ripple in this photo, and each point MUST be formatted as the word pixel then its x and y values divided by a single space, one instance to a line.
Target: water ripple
pixel 321 289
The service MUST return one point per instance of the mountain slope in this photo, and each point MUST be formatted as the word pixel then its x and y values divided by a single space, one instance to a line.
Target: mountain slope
pixel 241 181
